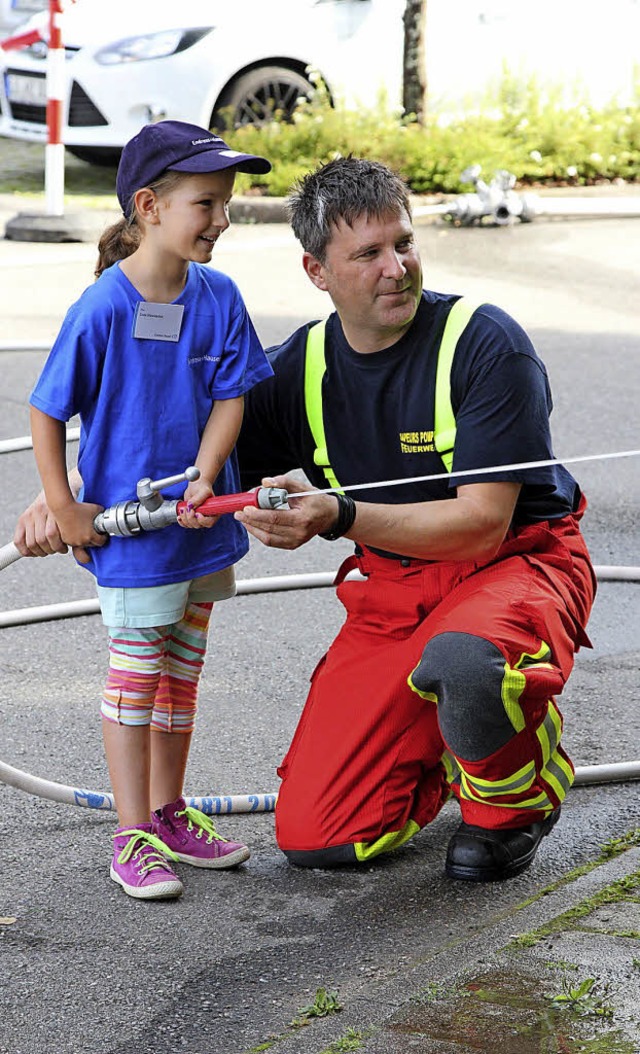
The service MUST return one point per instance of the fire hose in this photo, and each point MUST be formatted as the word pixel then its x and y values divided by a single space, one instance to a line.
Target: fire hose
pixel 153 512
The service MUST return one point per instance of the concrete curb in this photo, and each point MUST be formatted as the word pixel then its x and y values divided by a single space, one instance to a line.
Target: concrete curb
pixel 258 210
pixel 84 226
pixel 88 225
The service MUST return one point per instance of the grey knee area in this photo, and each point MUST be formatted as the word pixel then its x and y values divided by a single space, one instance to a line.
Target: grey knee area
pixel 466 674
pixel 333 856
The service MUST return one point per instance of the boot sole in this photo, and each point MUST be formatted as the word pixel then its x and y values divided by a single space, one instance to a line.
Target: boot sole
pixel 510 870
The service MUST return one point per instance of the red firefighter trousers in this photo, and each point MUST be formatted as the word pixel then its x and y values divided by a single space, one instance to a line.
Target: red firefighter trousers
pixel 442 680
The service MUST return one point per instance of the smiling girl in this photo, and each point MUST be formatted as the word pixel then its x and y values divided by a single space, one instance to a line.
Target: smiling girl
pixel 155 358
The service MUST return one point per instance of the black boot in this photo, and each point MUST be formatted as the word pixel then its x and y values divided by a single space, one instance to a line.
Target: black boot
pixel 479 855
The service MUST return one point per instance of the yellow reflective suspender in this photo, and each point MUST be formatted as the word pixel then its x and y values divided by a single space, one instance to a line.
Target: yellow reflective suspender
pixel 444 426
pixel 314 369
pixel 444 419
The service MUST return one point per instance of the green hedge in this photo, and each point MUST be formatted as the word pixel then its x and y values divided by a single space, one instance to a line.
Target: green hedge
pixel 529 131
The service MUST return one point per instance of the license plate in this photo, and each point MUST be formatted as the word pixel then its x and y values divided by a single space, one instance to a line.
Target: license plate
pixel 30 91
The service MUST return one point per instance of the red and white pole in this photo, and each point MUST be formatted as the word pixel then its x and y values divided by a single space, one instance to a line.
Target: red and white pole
pixel 54 150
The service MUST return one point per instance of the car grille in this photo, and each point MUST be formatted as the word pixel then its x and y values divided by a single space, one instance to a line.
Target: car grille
pixel 31 114
pixel 83 113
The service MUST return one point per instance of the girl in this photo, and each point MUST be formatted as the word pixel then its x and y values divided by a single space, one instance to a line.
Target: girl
pixel 155 358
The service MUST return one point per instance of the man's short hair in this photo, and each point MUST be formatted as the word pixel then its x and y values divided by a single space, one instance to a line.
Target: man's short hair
pixel 343 189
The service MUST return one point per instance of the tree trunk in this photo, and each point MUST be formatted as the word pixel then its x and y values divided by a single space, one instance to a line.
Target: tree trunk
pixel 414 79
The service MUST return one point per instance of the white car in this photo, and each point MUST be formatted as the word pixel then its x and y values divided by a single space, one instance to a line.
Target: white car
pixel 130 62
pixel 14 12
pixel 134 61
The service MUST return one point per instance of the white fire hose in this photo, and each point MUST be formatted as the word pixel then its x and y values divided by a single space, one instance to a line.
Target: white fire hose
pixel 224 804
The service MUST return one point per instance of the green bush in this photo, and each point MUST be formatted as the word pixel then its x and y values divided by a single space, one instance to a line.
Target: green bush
pixel 530 130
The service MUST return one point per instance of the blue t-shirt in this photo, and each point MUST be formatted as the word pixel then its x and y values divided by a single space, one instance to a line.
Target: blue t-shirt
pixel 378 412
pixel 143 406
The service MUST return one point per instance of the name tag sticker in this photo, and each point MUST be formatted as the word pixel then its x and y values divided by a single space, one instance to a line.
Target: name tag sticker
pixel 158 321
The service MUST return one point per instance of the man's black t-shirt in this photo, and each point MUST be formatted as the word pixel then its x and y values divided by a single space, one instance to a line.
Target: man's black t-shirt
pixel 378 411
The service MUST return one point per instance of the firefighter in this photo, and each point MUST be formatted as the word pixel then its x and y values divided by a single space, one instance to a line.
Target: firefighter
pixel 477 589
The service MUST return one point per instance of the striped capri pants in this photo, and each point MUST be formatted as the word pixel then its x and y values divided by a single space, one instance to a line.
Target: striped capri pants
pixel 154 672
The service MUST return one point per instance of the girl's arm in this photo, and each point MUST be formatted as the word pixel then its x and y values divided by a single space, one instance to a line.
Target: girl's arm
pixel 74 519
pixel 218 440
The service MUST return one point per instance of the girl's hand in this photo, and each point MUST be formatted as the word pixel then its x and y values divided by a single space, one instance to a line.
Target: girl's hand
pixel 194 495
pixel 75 525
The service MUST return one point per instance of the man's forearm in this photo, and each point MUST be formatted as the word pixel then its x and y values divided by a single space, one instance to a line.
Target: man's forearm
pixel 471 526
pixel 75 481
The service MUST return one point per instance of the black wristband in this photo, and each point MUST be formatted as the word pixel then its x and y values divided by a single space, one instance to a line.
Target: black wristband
pixel 344 522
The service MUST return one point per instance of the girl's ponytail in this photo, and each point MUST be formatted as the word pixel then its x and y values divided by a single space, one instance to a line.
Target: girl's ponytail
pixel 119 240
pixel 123 238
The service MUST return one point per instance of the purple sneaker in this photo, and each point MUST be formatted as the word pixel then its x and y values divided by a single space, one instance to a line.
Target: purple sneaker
pixel 193 839
pixel 140 864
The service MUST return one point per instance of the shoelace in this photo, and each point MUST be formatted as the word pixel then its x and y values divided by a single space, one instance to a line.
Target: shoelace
pixel 152 853
pixel 198 819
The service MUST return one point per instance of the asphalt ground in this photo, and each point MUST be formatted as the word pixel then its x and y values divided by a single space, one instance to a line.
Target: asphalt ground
pixel 416 962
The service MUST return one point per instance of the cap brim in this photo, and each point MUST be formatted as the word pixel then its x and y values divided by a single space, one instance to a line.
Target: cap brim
pixel 217 160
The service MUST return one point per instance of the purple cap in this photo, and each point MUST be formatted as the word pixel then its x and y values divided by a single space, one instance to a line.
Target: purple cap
pixel 179 147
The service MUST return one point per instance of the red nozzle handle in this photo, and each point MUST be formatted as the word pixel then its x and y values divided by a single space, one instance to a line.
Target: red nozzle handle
pixel 262 498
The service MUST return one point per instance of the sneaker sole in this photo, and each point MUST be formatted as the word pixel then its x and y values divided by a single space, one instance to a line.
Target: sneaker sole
pixel 219 863
pixel 158 891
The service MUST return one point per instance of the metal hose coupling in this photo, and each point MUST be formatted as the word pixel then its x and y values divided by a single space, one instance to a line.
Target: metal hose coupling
pixel 152 512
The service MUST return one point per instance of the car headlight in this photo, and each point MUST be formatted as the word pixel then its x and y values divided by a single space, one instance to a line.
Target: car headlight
pixel 150 46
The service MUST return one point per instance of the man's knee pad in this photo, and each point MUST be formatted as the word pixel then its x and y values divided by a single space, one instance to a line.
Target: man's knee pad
pixel 466 674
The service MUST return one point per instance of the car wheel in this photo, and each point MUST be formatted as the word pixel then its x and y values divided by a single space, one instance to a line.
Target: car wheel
pixel 257 96
pixel 106 155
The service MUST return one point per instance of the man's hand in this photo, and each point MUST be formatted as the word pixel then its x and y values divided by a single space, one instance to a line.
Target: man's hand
pixel 290 528
pixel 37 533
